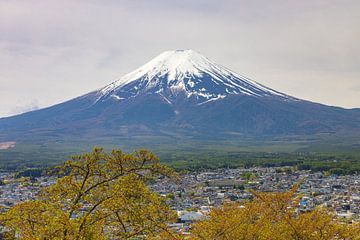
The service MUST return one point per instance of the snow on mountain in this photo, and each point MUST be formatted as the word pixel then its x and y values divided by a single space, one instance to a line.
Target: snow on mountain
pixel 184 73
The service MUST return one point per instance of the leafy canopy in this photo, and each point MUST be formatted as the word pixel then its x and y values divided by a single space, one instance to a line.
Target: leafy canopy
pixel 99 196
pixel 273 216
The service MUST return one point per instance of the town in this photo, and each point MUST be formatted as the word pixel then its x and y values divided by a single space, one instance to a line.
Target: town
pixel 195 193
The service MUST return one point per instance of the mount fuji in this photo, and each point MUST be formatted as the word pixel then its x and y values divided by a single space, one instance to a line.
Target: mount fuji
pixel 181 93
pixel 188 74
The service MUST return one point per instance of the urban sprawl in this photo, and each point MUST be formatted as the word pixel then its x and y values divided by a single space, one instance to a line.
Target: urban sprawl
pixel 196 193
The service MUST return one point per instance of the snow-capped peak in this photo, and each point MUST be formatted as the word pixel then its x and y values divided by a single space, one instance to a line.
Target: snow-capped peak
pixel 187 72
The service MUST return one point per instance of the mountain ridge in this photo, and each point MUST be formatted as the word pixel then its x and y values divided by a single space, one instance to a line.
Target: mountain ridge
pixel 181 93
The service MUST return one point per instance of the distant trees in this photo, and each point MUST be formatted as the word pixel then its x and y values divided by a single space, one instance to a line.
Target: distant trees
pixel 272 216
pixel 100 196
pixel 248 176
pixel 31 173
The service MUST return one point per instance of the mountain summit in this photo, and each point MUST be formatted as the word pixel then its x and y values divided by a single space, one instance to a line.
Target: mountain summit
pixel 180 93
pixel 185 73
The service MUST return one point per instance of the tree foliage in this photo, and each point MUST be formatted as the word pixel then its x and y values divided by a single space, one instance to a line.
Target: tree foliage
pixel 99 196
pixel 272 216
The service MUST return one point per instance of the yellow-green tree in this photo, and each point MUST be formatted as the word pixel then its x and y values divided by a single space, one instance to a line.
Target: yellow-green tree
pixel 99 196
pixel 272 216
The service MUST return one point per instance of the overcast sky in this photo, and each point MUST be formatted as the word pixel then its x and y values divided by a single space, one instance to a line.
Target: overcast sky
pixel 52 51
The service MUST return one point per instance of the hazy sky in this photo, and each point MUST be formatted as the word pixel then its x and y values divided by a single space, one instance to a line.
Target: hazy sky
pixel 51 51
